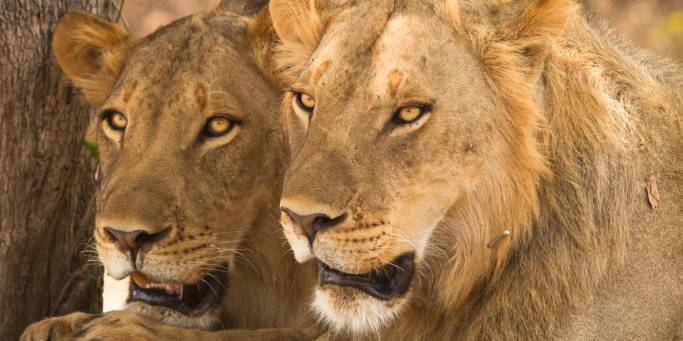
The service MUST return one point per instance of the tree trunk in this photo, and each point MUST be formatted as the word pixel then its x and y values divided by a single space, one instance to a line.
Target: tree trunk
pixel 46 177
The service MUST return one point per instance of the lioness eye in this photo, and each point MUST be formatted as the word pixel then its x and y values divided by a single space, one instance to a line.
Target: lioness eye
pixel 409 114
pixel 116 120
pixel 305 102
pixel 219 125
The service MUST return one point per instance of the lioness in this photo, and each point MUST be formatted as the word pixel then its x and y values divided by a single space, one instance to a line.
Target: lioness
pixel 192 155
pixel 473 170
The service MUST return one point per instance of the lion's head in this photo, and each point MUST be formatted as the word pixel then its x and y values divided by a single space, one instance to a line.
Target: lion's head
pixel 399 124
pixel 191 152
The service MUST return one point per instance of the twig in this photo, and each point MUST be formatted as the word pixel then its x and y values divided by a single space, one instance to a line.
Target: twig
pixel 120 10
pixel 498 238
pixel 119 16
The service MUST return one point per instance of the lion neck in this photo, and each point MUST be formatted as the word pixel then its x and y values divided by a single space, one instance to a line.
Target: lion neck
pixel 569 226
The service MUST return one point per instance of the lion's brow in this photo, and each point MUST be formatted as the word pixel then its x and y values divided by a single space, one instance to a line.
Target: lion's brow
pixel 321 71
pixel 128 91
pixel 394 80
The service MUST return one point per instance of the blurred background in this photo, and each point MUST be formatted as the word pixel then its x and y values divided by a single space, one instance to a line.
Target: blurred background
pixel 144 16
pixel 655 24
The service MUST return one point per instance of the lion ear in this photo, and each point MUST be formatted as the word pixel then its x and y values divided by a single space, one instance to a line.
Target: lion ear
pixel 298 24
pixel 540 24
pixel 263 42
pixel 523 29
pixel 92 52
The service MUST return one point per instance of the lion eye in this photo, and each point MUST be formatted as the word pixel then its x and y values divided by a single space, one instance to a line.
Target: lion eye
pixel 218 126
pixel 116 120
pixel 409 114
pixel 305 102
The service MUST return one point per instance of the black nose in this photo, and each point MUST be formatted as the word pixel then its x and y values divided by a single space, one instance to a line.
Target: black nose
pixel 135 240
pixel 311 224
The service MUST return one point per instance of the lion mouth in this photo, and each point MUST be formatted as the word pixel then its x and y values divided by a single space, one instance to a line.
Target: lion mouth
pixel 384 283
pixel 187 299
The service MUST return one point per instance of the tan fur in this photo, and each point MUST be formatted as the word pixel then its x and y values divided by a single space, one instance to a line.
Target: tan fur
pixel 124 325
pixel 537 117
pixel 91 51
pixel 218 196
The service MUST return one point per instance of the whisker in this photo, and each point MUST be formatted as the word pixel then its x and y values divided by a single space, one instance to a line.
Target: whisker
pixel 212 289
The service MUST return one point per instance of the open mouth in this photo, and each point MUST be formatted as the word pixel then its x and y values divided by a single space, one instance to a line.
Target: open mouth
pixel 188 299
pixel 385 283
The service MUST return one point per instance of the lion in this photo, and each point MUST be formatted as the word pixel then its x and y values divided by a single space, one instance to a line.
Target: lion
pixel 481 170
pixel 192 157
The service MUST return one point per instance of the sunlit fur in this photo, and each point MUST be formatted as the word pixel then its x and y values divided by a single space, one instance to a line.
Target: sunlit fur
pixel 217 195
pixel 545 124
pixel 365 316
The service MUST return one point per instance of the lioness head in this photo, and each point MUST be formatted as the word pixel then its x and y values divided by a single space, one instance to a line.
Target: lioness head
pixel 190 152
pixel 398 122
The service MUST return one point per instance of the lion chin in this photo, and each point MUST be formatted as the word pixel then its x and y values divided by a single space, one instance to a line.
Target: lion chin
pixel 348 310
pixel 209 320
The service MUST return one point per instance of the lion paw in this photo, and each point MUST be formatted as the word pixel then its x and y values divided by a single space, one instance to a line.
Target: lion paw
pixel 57 328
pixel 123 325
pixel 115 325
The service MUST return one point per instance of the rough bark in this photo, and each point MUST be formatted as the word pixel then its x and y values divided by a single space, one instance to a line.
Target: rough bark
pixel 46 182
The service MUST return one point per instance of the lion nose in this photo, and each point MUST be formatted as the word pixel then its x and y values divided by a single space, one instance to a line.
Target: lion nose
pixel 311 224
pixel 135 240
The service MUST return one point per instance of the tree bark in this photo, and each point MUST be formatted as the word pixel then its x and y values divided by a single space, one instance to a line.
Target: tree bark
pixel 46 177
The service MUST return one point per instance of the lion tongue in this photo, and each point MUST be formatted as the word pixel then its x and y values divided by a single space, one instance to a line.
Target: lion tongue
pixel 145 282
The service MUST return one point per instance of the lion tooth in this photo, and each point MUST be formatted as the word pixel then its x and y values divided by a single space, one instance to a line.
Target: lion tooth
pixel 140 279
pixel 172 289
pixel 147 283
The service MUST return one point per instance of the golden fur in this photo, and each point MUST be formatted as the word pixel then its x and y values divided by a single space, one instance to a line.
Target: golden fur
pixel 218 196
pixel 543 124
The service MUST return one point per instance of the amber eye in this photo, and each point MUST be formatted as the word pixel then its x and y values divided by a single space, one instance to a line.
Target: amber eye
pixel 219 125
pixel 116 120
pixel 305 102
pixel 409 114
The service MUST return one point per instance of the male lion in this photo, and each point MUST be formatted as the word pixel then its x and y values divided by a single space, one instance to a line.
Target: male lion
pixel 192 156
pixel 473 170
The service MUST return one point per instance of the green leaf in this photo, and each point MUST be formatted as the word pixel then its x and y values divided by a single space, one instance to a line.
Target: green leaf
pixel 105 9
pixel 92 150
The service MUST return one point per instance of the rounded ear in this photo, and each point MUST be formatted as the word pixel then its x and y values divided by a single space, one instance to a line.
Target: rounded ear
pixel 539 25
pixel 263 42
pixel 92 52
pixel 524 30
pixel 297 23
